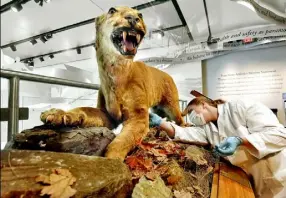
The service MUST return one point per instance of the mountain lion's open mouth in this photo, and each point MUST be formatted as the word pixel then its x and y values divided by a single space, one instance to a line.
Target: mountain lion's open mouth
pixel 127 40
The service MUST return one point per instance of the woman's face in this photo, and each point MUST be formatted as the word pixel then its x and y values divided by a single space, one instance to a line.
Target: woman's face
pixel 203 110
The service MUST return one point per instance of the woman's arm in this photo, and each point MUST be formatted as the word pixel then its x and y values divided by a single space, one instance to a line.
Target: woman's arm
pixel 266 135
pixel 194 134
pixel 168 128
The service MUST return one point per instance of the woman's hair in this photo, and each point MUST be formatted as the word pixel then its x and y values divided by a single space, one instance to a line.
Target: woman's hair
pixel 201 100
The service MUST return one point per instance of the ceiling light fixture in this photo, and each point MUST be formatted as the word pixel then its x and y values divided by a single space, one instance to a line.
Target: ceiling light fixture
pixel 42 59
pixel 46 37
pixel 16 7
pixel 43 39
pixel 41 2
pixel 33 41
pixel 160 34
pixel 51 56
pixel 30 62
pixel 78 50
pixel 13 48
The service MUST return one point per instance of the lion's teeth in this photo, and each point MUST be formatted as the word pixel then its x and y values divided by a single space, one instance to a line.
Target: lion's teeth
pixel 131 33
pixel 124 48
pixel 124 34
pixel 138 38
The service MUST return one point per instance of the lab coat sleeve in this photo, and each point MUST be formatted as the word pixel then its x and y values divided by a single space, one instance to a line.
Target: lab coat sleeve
pixel 196 134
pixel 266 134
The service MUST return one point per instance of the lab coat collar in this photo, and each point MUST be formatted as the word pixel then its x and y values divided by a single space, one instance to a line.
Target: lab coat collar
pixel 220 109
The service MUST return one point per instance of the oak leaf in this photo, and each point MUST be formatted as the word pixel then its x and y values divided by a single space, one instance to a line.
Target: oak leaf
pixel 138 162
pixel 60 181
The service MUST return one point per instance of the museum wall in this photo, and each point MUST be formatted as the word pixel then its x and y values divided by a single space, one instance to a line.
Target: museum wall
pixel 259 75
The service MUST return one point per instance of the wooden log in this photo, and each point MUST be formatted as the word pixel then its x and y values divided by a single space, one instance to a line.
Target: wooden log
pixel 95 176
pixel 87 141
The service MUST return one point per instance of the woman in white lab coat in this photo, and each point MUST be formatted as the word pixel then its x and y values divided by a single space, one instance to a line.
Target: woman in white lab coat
pixel 246 133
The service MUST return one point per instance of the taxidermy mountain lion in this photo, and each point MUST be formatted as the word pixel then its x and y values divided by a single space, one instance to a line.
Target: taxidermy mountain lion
pixel 128 89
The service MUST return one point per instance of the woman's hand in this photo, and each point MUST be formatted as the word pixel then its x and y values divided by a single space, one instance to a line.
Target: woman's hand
pixel 154 120
pixel 228 146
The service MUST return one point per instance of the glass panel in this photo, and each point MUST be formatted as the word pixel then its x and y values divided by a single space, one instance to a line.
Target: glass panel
pixel 4 104
pixel 39 97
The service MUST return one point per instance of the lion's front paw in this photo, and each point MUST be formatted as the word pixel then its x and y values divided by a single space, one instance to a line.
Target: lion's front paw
pixel 59 117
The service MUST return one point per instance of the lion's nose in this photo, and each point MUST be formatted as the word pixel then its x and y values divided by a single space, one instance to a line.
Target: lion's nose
pixel 132 20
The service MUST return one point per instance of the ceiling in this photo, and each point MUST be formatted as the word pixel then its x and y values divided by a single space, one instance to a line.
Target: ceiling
pixel 224 15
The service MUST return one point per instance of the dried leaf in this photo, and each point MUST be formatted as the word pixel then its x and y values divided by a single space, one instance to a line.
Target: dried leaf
pixel 190 189
pixel 173 179
pixel 43 178
pixel 147 188
pixel 169 147
pixel 162 169
pixel 60 189
pixel 182 194
pixel 138 162
pixel 137 174
pixel 132 161
pixel 60 181
pixel 147 145
pixel 152 175
pixel 194 153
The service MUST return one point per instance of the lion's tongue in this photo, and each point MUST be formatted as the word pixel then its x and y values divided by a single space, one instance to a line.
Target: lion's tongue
pixel 128 45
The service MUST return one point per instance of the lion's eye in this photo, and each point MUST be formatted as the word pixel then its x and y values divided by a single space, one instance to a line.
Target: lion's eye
pixel 140 15
pixel 112 11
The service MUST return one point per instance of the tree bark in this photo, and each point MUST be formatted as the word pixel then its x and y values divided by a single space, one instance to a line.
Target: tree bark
pixel 87 141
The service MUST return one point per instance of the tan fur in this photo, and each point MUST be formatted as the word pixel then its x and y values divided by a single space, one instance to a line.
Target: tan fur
pixel 82 116
pixel 128 89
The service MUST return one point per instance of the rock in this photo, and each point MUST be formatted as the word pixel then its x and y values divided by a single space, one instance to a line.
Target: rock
pixel 95 176
pixel 87 141
pixel 146 188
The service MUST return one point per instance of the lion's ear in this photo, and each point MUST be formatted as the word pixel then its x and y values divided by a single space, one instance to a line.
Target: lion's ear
pixel 99 20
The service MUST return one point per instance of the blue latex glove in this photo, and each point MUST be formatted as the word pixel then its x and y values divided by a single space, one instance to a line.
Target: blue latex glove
pixel 228 146
pixel 154 120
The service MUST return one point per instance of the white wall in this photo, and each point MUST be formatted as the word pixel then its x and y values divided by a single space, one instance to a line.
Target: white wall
pixel 257 74
pixel 188 77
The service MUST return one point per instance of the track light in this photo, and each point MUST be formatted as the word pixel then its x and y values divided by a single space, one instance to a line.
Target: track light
pixel 16 7
pixel 41 2
pixel 33 41
pixel 49 36
pixel 78 50
pixel 51 56
pixel 42 59
pixel 30 62
pixel 46 37
pixel 160 34
pixel 13 48
pixel 43 39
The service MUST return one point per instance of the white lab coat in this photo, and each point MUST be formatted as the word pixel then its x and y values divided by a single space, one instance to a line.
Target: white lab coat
pixel 267 163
